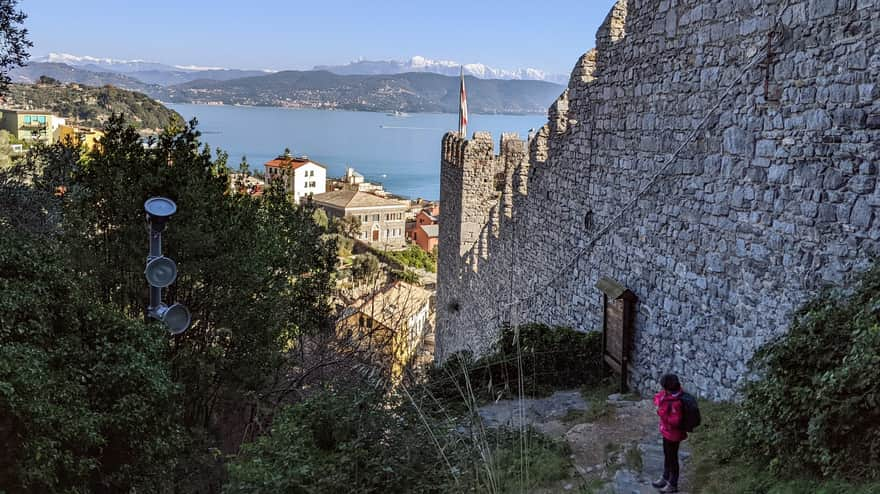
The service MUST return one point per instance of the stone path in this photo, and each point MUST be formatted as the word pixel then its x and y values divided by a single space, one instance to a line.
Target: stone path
pixel 622 448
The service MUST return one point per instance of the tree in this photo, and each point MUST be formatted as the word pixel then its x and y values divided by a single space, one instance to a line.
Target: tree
pixel 13 40
pixel 87 402
pixel 5 150
pixel 255 272
pixel 350 226
pixel 358 440
pixel 321 219
pixel 365 267
pixel 49 81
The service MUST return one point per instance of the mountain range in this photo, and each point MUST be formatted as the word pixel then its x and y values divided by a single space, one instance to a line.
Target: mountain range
pixel 442 67
pixel 407 92
pixel 147 72
pixel 412 86
pixel 167 75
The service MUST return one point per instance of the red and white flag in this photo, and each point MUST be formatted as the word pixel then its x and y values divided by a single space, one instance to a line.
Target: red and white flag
pixel 462 109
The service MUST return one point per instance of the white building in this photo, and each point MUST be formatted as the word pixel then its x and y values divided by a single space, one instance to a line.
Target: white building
pixel 301 176
pixel 353 180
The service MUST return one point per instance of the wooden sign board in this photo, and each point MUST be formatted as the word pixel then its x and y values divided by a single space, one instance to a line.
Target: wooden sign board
pixel 618 317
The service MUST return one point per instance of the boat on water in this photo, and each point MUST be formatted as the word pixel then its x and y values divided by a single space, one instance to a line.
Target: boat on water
pixel 397 113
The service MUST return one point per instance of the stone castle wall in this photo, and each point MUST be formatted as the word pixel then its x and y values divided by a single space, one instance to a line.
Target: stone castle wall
pixel 775 197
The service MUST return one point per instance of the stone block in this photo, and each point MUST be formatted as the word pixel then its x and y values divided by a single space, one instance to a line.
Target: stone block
pixel 817 120
pixel 861 213
pixel 738 142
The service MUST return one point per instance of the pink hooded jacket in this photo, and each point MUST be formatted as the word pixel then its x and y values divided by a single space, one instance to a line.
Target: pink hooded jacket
pixel 669 410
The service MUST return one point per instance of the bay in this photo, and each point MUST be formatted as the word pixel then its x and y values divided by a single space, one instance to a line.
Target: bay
pixel 402 153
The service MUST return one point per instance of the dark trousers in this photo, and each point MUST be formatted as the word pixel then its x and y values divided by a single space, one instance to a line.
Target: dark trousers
pixel 670 461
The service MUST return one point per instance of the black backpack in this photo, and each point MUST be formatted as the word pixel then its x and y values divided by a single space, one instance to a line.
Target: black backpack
pixel 690 413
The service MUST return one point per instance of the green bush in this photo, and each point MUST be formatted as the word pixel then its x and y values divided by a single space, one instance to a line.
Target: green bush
pixel 415 257
pixel 546 359
pixel 365 440
pixel 344 441
pixel 817 406
pixel 87 401
pixel 720 464
pixel 365 267
pixel 545 462
pixel 406 276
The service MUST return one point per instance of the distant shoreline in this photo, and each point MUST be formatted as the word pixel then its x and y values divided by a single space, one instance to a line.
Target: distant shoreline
pixel 224 105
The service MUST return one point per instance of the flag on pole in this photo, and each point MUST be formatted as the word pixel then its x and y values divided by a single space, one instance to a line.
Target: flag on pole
pixel 462 109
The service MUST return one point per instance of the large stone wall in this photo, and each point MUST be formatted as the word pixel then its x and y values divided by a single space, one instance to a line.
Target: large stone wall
pixel 775 197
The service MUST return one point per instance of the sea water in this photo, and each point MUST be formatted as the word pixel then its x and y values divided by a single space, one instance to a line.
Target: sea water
pixel 401 152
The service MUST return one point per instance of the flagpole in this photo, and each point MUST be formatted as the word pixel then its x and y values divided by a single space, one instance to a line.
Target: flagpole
pixel 462 108
pixel 460 89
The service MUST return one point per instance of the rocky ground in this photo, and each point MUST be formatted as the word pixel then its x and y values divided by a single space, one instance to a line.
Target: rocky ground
pixel 615 444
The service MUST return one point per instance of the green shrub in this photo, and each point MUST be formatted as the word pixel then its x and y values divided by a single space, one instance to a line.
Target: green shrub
pixel 817 406
pixel 541 462
pixel 415 257
pixel 343 441
pixel 546 359
pixel 720 464
pixel 406 276
pixel 367 441
pixel 365 267
pixel 87 401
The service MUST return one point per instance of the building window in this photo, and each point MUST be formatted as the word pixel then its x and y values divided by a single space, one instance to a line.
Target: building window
pixel 375 217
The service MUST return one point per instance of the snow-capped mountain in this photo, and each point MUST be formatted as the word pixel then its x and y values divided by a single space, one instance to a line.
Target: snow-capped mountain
pixel 144 70
pixel 443 67
pixel 164 74
pixel 128 66
pixel 107 64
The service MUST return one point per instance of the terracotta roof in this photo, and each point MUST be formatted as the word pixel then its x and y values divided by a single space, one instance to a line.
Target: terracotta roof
pixel 346 199
pixel 429 214
pixel 431 230
pixel 393 306
pixel 291 162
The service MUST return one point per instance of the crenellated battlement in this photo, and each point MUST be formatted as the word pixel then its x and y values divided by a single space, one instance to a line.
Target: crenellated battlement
pixel 479 150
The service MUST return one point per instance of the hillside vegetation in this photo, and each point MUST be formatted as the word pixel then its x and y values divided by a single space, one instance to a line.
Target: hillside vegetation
pixel 407 92
pixel 410 92
pixel 92 106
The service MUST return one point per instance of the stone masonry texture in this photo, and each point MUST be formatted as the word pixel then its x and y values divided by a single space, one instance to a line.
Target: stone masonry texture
pixel 775 198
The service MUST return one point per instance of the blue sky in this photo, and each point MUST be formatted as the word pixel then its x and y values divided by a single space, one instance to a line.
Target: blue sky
pixel 294 34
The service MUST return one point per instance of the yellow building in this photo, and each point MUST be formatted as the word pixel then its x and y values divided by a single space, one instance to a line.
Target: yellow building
pixel 78 136
pixel 29 125
pixel 389 326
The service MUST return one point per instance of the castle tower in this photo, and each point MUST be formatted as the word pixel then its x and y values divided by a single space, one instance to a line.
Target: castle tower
pixel 477 188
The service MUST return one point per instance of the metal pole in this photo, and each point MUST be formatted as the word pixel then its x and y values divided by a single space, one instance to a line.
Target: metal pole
pixel 155 251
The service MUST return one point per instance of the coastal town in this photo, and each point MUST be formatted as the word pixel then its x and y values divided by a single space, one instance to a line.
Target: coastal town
pixel 652 271
pixel 387 254
pixel 387 257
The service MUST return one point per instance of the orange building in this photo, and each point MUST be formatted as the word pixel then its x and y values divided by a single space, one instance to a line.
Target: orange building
pixel 425 232
pixel 79 136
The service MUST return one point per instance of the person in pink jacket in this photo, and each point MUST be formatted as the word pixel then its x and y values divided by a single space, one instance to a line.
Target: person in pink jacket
pixel 669 409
